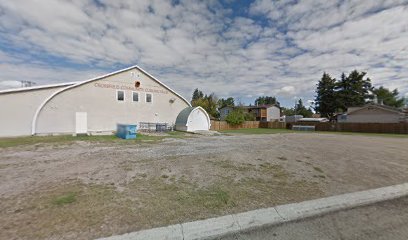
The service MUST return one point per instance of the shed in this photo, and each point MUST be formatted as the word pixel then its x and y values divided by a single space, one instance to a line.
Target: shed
pixel 192 119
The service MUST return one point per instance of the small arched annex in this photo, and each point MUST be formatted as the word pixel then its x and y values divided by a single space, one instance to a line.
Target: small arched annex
pixel 193 119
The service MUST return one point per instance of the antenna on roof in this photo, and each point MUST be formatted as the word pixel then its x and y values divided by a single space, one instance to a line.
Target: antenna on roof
pixel 27 83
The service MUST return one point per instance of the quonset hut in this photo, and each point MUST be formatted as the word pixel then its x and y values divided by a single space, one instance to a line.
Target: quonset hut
pixel 193 119
pixel 128 96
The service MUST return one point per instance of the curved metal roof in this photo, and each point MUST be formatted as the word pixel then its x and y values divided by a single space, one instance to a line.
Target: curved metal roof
pixel 182 118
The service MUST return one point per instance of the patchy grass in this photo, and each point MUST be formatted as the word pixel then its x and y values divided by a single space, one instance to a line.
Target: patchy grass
pixel 65 199
pixel 83 211
pixel 318 169
pixel 257 131
pixel 21 141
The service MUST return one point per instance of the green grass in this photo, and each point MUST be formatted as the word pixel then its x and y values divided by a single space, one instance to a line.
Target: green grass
pixel 21 141
pixel 65 199
pixel 318 169
pixel 257 131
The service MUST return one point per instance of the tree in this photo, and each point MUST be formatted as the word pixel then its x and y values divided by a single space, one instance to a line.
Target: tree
pixel 236 117
pixel 300 109
pixel 208 102
pixel 266 100
pixel 353 90
pixel 229 102
pixel 389 98
pixel 197 94
pixel 288 111
pixel 325 101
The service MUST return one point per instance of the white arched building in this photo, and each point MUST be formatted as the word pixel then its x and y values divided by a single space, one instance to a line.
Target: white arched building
pixel 128 96
pixel 193 119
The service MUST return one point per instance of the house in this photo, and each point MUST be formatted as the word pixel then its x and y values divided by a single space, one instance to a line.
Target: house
pixel 262 113
pixel 225 111
pixel 373 113
pixel 127 96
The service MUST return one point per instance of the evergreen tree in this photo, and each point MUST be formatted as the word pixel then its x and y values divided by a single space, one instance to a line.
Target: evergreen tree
pixel 229 102
pixel 197 94
pixel 389 98
pixel 300 109
pixel 325 101
pixel 353 90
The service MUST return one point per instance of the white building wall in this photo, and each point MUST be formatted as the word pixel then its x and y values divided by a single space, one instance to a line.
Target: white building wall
pixel 17 110
pixel 98 100
pixel 273 113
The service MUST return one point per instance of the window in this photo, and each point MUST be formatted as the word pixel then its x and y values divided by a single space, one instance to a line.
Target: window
pixel 135 97
pixel 149 97
pixel 120 96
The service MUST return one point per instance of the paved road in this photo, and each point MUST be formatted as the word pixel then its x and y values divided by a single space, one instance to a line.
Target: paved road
pixel 386 220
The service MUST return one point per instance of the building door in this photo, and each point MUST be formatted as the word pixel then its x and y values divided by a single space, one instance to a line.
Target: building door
pixel 81 123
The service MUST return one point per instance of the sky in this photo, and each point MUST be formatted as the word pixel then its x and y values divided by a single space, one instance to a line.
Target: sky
pixel 242 49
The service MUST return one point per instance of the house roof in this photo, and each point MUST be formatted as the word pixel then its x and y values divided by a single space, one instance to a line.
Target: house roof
pixel 375 105
pixel 253 107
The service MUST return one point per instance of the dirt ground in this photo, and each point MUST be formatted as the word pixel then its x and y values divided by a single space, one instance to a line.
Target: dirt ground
pixel 85 190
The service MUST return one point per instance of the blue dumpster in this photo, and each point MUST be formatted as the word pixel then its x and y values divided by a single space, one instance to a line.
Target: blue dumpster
pixel 126 131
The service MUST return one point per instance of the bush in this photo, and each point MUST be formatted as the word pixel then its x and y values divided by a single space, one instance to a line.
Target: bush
pixel 250 117
pixel 236 117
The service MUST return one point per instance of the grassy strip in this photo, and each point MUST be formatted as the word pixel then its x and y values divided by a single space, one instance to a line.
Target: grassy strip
pixel 274 131
pixel 257 131
pixel 21 141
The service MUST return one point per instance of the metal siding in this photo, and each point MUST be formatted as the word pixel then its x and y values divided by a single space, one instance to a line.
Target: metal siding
pixel 18 108
pixel 104 111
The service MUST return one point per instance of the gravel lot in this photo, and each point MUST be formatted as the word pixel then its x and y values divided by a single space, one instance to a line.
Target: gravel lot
pixel 83 190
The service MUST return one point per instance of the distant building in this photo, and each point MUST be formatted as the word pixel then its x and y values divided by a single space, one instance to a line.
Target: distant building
pixel 262 113
pixel 373 113
pixel 313 120
pixel 225 111
pixel 291 119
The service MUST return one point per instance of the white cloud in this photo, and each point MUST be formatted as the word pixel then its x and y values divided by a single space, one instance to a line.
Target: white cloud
pixel 198 44
pixel 9 84
pixel 287 91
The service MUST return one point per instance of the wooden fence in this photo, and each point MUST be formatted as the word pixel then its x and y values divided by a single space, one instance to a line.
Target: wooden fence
pixel 399 128
pixel 223 125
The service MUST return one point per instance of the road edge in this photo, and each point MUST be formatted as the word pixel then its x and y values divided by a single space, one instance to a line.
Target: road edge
pixel 230 224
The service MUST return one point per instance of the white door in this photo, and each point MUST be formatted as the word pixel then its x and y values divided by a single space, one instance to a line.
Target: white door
pixel 197 121
pixel 81 123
